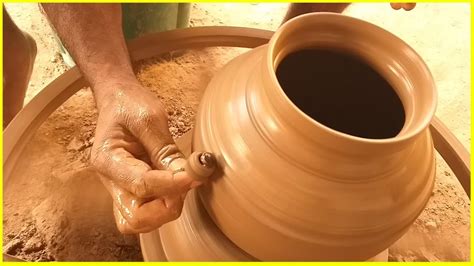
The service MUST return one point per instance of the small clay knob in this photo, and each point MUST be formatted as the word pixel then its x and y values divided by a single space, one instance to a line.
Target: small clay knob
pixel 200 165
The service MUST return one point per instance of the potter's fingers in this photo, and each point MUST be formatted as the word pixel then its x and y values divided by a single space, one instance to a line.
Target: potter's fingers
pixel 154 135
pixel 137 177
pixel 121 222
pixel 118 164
pixel 154 214
pixel 163 183
pixel 125 228
pixel 152 132
pixel 123 207
pixel 163 156
pixel 124 201
pixel 174 201
pixel 133 215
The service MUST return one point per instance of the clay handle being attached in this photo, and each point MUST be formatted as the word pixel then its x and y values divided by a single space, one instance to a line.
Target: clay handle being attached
pixel 200 165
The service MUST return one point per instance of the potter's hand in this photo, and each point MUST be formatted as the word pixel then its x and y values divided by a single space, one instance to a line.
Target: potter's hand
pixel 406 6
pixel 132 140
pixel 132 136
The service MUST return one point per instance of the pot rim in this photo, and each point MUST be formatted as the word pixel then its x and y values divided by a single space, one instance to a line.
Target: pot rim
pixel 271 63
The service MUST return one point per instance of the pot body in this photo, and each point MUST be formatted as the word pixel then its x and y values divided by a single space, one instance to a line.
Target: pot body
pixel 290 188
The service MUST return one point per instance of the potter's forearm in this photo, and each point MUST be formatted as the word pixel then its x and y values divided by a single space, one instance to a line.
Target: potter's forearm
pixel 132 140
pixel 93 35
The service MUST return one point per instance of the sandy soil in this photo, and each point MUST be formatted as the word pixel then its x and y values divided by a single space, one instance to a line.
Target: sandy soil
pixel 55 208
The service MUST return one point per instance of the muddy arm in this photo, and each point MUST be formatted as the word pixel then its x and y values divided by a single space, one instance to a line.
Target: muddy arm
pixel 93 35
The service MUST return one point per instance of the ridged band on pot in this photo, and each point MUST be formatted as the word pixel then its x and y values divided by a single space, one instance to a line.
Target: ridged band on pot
pixel 294 189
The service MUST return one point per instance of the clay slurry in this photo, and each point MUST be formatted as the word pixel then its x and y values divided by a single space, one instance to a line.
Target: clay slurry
pixel 341 92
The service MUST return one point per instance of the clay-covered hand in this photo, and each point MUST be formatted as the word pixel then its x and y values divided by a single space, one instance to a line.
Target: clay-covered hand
pixel 133 150
pixel 406 6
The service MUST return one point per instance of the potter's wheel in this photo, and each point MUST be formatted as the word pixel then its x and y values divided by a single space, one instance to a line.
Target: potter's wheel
pixel 24 126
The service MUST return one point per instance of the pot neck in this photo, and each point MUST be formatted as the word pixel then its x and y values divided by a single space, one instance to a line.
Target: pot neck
pixel 392 58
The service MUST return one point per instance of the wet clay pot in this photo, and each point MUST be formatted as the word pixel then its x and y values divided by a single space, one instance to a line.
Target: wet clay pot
pixel 293 188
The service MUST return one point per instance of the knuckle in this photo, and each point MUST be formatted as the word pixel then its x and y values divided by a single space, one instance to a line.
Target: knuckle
pixel 139 188
pixel 147 115
pixel 150 116
pixel 142 119
pixel 145 119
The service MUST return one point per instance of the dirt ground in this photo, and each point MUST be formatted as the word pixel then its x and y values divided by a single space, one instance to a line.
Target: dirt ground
pixel 56 209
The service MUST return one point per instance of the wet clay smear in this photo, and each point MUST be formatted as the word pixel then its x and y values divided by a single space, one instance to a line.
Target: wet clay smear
pixel 341 92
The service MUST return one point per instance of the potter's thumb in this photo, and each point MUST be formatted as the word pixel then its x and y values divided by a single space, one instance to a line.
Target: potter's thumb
pixel 164 156
pixel 164 182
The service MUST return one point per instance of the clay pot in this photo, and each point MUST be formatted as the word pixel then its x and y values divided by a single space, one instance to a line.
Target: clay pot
pixel 291 188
